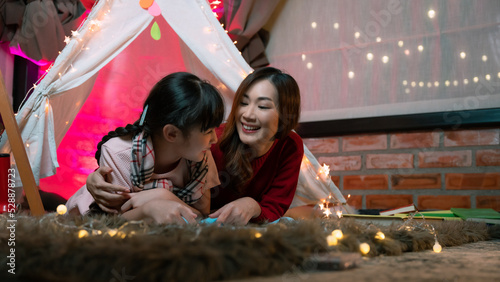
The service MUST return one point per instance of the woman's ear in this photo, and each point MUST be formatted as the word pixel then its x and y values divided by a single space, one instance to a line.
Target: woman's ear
pixel 171 133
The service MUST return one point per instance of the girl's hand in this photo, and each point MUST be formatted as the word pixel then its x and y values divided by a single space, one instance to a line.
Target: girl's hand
pixel 237 212
pixel 162 212
pixel 108 197
pixel 141 198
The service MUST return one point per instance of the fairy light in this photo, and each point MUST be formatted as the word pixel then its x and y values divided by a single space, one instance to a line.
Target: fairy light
pixel 303 57
pixel 61 209
pixel 331 240
pixel 339 214
pixel 437 247
pixel 67 39
pixel 455 83
pixel 429 84
pixel 436 83
pixel 75 33
pixel 405 82
pixel 351 74
pixel 356 34
pixel 337 233
pixel 466 81
pixel 488 77
pixel 498 75
pixel 369 56
pixel 463 55
pixel 420 48
pixel 258 235
pixel 314 25
pixel 378 39
pixel 447 83
pixel 327 212
pixel 336 25
pixel 401 43
pixel 112 232
pixel 380 235
pixel 431 14
pixel 475 79
pixel 364 248
pixel 421 84
pixel 385 59
pixel 484 58
pixel 407 91
pixel 413 84
pixel 309 65
pixel 83 233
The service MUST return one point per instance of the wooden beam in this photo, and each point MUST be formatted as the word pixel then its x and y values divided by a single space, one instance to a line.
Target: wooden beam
pixel 19 152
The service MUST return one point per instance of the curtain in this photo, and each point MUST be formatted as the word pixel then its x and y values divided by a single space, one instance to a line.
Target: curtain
pixel 357 58
pixel 244 21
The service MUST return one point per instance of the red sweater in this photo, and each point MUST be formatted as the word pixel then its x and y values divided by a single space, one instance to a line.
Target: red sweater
pixel 275 177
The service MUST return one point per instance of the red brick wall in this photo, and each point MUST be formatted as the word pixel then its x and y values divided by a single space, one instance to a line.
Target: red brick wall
pixel 433 169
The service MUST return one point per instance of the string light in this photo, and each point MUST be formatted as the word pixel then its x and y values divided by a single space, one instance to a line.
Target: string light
pixel 405 82
pixel 380 235
pixel 337 233
pixel 466 81
pixel 429 84
pixel 314 24
pixel 369 56
pixel 401 43
pixel 447 83
pixel 463 55
pixel 484 58
pixel 61 209
pixel 303 57
pixel 488 77
pixel 455 83
pixel 309 65
pixel 331 240
pixel 431 14
pixel 350 75
pixel 258 235
pixel 413 84
pixel 437 247
pixel 475 79
pixel 385 59
pixel 356 34
pixel 436 83
pixel 336 25
pixel 83 233
pixel 420 48
pixel 364 248
pixel 378 39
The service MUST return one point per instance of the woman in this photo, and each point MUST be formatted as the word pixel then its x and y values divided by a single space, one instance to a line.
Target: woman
pixel 258 156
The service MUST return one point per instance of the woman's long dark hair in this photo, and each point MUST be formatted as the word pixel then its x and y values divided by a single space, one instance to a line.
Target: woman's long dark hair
pixel 238 155
pixel 181 99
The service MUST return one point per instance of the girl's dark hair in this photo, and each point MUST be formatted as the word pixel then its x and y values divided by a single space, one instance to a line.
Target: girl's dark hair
pixel 237 155
pixel 181 99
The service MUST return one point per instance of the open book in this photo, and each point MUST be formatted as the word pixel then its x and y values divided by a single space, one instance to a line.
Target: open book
pixel 404 209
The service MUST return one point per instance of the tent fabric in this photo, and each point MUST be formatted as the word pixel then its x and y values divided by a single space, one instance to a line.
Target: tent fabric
pixel 50 110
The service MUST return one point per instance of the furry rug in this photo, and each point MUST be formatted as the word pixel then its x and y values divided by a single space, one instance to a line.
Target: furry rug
pixel 49 248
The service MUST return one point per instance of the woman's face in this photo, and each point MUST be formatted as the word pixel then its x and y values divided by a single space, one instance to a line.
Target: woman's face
pixel 257 116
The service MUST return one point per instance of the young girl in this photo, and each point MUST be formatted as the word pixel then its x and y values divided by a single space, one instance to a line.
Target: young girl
pixel 169 148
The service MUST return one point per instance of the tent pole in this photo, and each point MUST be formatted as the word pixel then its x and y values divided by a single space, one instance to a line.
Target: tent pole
pixel 17 145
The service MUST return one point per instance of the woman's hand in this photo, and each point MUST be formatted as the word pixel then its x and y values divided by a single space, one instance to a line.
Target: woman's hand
pixel 237 212
pixel 162 211
pixel 108 197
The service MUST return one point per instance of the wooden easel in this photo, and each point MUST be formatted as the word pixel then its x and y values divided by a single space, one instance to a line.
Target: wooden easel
pixel 17 145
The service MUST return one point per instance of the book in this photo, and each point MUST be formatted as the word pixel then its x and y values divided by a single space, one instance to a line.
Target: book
pixel 434 215
pixel 481 215
pixel 375 219
pixel 403 209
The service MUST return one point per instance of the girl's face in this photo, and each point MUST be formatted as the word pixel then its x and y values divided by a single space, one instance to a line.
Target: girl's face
pixel 197 142
pixel 257 116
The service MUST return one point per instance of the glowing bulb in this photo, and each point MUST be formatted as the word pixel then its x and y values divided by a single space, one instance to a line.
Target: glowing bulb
pixel 339 214
pixel 314 24
pixel 476 79
pixel 447 83
pixel 407 91
pixel 337 233
pixel 27 145
pixel 401 43
pixel 336 25
pixel 437 248
pixel 498 75
pixel 67 39
pixel 321 206
pixel 429 84
pixel 61 209
pixel 258 235
pixel 83 233
pixel 385 59
pixel 413 84
pixel 356 34
pixel 364 248
pixel 455 83
pixel 431 14
pixel 327 212
pixel 331 240
pixel 407 52
pixel 421 84
pixel 351 74
pixel 436 83
pixel 112 232
pixel 463 55
pixel 369 56
pixel 74 33
pixel 378 39
pixel 303 57
pixel 466 81
pixel 234 42
pixel 309 65
pixel 380 235
pixel 484 58
pixel 488 77
pixel 405 82
pixel 420 48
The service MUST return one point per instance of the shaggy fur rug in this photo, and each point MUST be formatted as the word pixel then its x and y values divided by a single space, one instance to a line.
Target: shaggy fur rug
pixel 49 248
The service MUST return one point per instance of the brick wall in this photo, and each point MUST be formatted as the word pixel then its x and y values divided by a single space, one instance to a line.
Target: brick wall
pixel 433 169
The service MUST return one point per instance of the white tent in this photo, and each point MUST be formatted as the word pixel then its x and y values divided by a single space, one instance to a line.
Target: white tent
pixel 110 27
